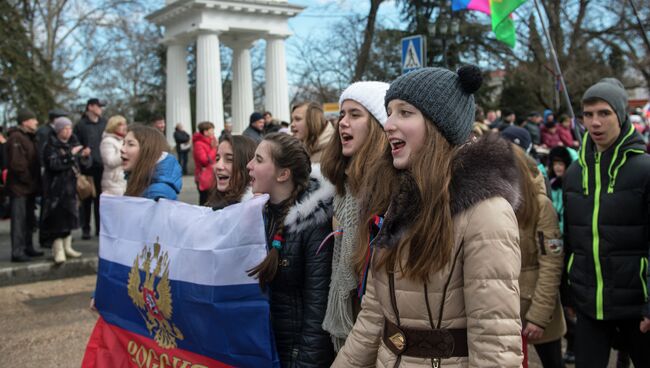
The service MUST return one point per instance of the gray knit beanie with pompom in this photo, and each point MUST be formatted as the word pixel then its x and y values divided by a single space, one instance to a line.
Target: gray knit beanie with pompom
pixel 444 97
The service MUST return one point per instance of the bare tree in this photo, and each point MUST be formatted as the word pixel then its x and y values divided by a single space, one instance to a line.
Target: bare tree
pixel 368 33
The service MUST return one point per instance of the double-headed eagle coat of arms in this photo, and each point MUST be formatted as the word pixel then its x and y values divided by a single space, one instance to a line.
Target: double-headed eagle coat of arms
pixel 154 299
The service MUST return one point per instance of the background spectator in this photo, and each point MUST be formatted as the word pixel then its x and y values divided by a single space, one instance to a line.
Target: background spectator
pixel 60 208
pixel 89 131
pixel 255 130
pixel 205 153
pixel 113 181
pixel 23 185
pixel 183 146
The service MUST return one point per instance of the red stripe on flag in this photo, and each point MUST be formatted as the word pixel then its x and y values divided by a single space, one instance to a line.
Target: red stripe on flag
pixel 112 347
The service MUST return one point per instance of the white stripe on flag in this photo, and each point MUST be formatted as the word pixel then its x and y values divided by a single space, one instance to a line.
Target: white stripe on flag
pixel 204 247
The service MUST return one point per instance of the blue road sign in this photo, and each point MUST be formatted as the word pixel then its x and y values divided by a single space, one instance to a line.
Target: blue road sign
pixel 413 53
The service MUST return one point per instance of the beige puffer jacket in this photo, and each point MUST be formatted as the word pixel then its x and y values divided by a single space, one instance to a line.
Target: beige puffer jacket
pixel 483 293
pixel 542 257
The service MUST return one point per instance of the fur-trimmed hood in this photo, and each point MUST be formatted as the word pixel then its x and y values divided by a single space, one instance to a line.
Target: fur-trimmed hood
pixel 482 169
pixel 315 205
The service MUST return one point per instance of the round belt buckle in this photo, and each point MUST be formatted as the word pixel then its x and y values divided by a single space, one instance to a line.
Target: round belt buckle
pixel 399 341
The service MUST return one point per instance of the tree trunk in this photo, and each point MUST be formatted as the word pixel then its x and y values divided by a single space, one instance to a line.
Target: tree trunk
pixel 364 53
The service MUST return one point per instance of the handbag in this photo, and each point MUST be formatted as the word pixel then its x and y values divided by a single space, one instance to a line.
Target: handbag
pixel 85 185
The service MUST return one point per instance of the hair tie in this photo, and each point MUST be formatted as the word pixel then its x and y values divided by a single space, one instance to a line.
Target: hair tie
pixel 277 241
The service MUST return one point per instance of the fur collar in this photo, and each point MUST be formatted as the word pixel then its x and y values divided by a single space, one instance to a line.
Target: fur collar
pixel 484 169
pixel 481 170
pixel 314 206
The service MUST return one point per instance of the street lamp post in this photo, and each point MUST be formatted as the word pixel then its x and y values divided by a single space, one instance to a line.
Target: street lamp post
pixel 442 30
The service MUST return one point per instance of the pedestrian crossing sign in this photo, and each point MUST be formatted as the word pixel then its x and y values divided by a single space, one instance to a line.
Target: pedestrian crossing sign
pixel 413 53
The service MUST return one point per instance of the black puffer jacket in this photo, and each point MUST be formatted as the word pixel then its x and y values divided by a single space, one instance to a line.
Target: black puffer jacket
pixel 607 229
pixel 300 288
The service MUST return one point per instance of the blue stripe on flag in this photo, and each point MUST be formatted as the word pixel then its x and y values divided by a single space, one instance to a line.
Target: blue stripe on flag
pixel 230 324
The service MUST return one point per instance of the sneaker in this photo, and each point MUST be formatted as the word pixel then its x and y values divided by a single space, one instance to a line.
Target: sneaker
pixel 85 235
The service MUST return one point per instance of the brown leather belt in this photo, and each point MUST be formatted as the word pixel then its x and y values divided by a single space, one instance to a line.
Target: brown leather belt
pixel 425 343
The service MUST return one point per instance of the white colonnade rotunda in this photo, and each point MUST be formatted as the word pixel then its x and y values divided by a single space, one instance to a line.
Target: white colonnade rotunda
pixel 237 24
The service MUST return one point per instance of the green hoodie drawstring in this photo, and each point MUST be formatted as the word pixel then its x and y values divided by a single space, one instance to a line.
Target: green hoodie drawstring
pixel 583 163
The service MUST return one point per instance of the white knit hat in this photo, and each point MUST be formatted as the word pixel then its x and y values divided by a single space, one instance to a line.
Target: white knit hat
pixel 370 95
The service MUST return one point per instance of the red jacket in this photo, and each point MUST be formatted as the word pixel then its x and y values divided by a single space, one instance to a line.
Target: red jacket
pixel 565 135
pixel 551 140
pixel 204 155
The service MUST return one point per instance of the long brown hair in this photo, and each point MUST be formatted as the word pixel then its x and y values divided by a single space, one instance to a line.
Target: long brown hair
pixel 243 150
pixel 287 152
pixel 315 123
pixel 338 168
pixel 528 211
pixel 152 145
pixel 427 245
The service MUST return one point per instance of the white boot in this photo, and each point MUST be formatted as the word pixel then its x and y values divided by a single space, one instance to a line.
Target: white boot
pixel 67 246
pixel 57 251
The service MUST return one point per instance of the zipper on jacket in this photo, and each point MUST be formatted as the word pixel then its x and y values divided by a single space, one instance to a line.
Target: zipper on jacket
pixel 568 268
pixel 612 179
pixel 642 275
pixel 596 240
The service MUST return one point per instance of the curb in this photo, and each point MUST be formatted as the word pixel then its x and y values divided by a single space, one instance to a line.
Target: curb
pixel 45 271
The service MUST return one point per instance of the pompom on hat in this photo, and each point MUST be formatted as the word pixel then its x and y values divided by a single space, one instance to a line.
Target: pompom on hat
pixel 370 95
pixel 444 97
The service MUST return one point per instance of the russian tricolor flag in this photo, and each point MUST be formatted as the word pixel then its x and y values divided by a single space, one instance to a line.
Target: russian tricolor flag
pixel 172 288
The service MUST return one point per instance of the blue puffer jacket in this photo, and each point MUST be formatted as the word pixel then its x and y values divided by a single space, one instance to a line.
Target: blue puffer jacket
pixel 167 180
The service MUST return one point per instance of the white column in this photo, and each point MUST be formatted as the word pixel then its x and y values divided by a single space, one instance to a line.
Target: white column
pixel 242 86
pixel 209 98
pixel 277 89
pixel 178 92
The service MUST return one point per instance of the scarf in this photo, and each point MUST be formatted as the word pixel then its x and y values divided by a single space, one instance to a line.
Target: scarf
pixel 339 317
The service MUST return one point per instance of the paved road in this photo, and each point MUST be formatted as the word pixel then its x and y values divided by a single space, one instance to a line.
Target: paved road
pixel 46 324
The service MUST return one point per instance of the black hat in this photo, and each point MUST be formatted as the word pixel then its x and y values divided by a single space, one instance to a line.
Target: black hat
pixel 518 136
pixel 56 113
pixel 24 115
pixel 560 154
pixel 255 117
pixel 534 113
pixel 96 101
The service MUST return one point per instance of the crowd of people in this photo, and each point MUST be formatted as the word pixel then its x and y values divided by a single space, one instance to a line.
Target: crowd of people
pixel 416 231
pixel 64 169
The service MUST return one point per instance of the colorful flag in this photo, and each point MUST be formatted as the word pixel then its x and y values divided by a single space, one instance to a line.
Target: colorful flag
pixel 172 288
pixel 500 11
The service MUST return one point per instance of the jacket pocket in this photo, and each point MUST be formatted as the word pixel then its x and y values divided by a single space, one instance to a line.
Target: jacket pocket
pixel 643 274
